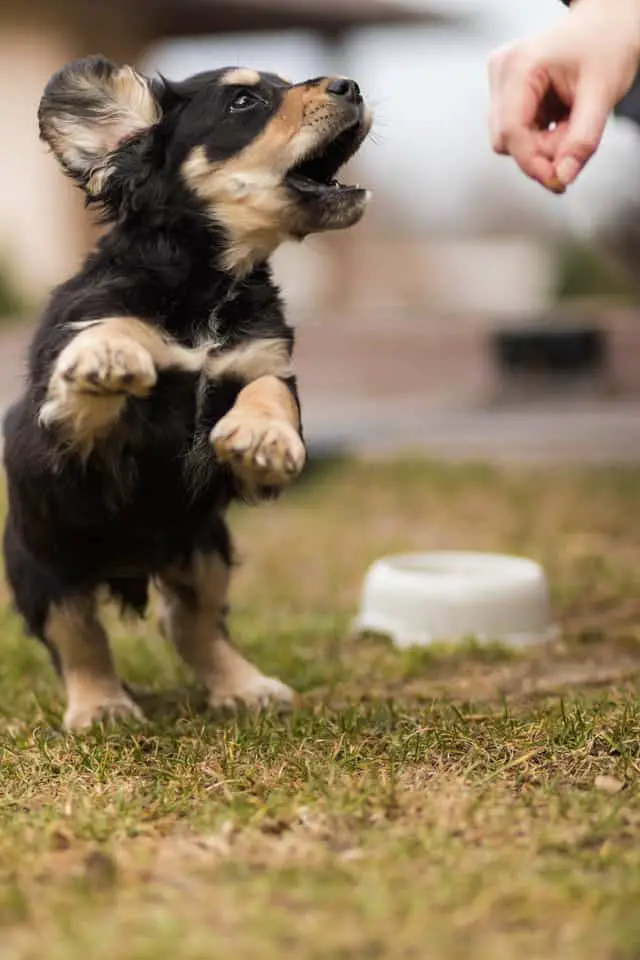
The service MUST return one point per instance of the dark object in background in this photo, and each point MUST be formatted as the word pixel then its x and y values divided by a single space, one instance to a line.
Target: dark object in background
pixel 548 358
pixel 549 355
pixel 550 350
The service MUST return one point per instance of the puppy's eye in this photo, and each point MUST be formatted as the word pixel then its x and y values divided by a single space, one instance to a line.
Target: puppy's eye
pixel 244 100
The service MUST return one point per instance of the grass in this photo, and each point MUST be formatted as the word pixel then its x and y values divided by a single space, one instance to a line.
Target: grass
pixel 12 303
pixel 457 802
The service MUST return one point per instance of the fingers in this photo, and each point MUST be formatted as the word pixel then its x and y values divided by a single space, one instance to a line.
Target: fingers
pixel 517 92
pixel 560 79
pixel 527 149
pixel 507 108
pixel 584 132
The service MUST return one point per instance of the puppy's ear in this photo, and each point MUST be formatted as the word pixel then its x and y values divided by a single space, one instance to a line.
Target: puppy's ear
pixel 88 109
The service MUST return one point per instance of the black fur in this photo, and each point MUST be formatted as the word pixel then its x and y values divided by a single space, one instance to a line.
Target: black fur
pixel 74 524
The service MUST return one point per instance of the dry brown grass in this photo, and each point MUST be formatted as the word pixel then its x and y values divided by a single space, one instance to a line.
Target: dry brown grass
pixel 445 803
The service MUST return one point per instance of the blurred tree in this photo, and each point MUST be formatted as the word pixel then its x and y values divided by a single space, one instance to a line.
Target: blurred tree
pixel 583 272
pixel 11 303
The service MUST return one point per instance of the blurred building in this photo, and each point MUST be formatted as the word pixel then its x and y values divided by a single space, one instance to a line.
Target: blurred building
pixel 456 246
pixel 43 228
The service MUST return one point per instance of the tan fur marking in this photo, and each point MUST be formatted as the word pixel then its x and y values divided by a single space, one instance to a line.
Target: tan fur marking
pixel 164 351
pixel 251 206
pixel 193 617
pixel 245 193
pixel 270 399
pixel 114 358
pixel 259 438
pixel 93 690
pixel 250 361
pixel 305 116
pixel 241 77
pixel 94 374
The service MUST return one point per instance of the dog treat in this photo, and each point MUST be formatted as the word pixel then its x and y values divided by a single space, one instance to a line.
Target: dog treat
pixel 555 186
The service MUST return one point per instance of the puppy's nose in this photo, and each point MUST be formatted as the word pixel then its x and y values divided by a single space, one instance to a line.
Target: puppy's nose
pixel 348 89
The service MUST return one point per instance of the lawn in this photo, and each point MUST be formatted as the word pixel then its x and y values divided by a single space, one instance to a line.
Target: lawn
pixel 453 803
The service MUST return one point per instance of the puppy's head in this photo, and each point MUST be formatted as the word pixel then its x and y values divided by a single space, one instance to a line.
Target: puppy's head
pixel 257 155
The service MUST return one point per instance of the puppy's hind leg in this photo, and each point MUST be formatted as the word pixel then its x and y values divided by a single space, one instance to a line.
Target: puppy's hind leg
pixel 194 614
pixel 94 692
pixel 74 636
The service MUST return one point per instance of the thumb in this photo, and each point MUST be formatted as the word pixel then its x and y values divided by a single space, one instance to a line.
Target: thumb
pixel 588 119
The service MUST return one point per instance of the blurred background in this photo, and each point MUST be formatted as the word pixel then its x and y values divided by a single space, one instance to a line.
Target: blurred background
pixel 469 315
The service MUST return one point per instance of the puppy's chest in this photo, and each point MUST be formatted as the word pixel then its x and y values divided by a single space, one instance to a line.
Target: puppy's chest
pixel 223 316
pixel 217 320
pixel 185 407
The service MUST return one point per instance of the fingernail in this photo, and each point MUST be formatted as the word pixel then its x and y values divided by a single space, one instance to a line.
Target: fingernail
pixel 567 170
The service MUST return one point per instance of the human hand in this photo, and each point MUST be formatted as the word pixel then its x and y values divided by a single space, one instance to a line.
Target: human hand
pixel 551 94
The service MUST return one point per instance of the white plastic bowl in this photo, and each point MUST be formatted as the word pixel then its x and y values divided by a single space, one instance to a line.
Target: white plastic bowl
pixel 422 598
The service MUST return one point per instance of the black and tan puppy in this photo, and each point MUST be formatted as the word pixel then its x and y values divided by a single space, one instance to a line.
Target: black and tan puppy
pixel 159 383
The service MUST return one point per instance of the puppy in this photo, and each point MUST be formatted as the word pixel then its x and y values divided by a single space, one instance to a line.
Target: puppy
pixel 159 385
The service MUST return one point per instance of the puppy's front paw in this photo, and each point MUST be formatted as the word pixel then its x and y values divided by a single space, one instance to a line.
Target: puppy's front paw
pixel 260 450
pixel 93 376
pixel 104 364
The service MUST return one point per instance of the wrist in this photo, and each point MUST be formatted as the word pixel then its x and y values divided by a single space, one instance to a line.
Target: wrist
pixel 623 14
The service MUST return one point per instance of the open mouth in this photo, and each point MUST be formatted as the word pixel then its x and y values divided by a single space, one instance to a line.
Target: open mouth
pixel 317 172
